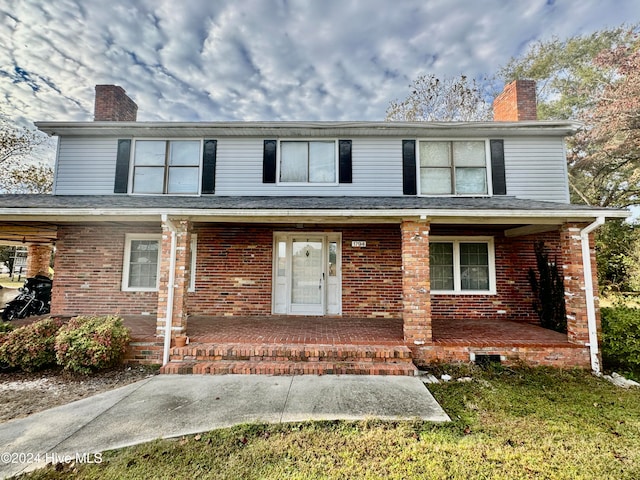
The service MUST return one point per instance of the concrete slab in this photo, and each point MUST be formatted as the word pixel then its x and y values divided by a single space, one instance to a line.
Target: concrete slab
pixel 40 434
pixel 174 405
pixel 354 397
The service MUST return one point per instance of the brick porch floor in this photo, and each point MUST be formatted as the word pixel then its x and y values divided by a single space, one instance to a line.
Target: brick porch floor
pixel 349 331
pixel 260 344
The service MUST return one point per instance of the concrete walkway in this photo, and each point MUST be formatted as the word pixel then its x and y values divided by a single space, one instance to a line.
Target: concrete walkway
pixel 168 406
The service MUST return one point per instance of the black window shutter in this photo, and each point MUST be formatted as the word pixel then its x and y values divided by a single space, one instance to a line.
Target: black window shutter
pixel 344 163
pixel 497 167
pixel 209 167
pixel 409 185
pixel 269 161
pixel 122 166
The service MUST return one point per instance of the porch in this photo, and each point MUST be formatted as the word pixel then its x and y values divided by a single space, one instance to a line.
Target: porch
pixel 307 344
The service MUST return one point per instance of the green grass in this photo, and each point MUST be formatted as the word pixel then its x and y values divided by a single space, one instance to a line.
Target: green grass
pixel 6 282
pixel 507 424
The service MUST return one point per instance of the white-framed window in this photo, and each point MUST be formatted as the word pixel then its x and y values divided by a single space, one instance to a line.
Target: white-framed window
pixel 141 269
pixel 453 167
pixel 193 249
pixel 308 161
pixel 166 166
pixel 462 265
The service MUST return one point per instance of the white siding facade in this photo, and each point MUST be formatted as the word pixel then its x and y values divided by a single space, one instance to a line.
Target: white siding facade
pixel 377 170
pixel 535 168
pixel 86 166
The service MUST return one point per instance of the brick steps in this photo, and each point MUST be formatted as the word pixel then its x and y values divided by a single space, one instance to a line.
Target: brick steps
pixel 225 367
pixel 290 360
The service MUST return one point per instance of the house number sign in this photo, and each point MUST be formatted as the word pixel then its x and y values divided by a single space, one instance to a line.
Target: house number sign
pixel 359 243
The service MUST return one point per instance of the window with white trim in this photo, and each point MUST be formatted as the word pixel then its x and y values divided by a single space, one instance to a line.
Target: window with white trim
pixel 308 161
pixel 462 265
pixel 141 262
pixel 457 167
pixel 166 166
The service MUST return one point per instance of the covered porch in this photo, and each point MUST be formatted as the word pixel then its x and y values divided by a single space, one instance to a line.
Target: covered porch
pixel 262 342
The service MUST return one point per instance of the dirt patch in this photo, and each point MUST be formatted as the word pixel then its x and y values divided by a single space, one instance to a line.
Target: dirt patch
pixel 22 394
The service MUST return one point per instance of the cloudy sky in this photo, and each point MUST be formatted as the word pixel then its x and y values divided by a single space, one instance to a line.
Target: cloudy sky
pixel 192 60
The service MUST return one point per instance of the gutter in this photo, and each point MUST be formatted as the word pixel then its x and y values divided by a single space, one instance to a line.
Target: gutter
pixel 168 326
pixel 589 297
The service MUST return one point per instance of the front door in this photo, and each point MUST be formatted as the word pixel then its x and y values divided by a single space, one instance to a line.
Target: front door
pixel 306 274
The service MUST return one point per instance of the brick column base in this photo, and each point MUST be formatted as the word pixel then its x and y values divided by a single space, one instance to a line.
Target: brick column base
pixel 181 279
pixel 416 298
pixel 38 259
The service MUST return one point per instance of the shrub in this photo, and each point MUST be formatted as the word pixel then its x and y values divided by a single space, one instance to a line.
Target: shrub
pixel 31 347
pixel 621 336
pixel 90 343
pixel 5 327
pixel 548 287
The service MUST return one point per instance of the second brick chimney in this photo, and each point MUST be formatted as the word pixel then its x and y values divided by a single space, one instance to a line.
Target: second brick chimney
pixel 517 102
pixel 113 105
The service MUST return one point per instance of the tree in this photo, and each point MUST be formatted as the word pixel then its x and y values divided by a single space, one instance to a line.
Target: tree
pixel 18 174
pixel 572 76
pixel 606 152
pixel 567 78
pixel 596 79
pixel 618 256
pixel 432 99
pixel 7 256
pixel 17 142
pixel 35 178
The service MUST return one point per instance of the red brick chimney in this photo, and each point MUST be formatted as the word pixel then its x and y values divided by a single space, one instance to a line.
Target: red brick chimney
pixel 113 105
pixel 517 102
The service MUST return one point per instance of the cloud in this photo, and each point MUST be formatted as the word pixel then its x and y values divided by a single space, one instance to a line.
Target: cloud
pixel 263 60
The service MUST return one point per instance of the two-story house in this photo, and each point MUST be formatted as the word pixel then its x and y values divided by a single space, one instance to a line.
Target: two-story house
pixel 294 242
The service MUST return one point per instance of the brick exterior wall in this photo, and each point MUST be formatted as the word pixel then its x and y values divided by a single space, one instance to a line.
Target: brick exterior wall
pixel 88 272
pixel 372 276
pixel 38 259
pixel 113 105
pixel 234 269
pixel 552 356
pixel 513 299
pixel 516 103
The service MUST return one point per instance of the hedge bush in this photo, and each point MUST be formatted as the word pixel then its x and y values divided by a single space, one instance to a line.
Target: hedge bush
pixel 31 347
pixel 5 329
pixel 90 343
pixel 621 337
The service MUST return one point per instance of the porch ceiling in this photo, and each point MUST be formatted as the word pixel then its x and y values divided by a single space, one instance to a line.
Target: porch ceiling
pixel 18 233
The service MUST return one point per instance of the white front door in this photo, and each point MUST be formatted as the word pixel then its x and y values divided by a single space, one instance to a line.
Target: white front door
pixel 306 274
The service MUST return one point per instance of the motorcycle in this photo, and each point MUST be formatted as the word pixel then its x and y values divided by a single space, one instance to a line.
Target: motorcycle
pixel 34 299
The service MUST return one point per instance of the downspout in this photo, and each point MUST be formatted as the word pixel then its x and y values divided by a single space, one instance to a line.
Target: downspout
pixel 588 287
pixel 168 326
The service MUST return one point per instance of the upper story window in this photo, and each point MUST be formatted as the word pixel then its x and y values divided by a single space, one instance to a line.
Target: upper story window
pixel 166 166
pixel 308 162
pixel 453 167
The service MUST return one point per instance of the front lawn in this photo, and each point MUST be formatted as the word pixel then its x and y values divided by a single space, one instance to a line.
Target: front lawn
pixel 507 424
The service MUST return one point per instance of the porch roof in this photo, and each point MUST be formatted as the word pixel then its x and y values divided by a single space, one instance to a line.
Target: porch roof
pixel 71 208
